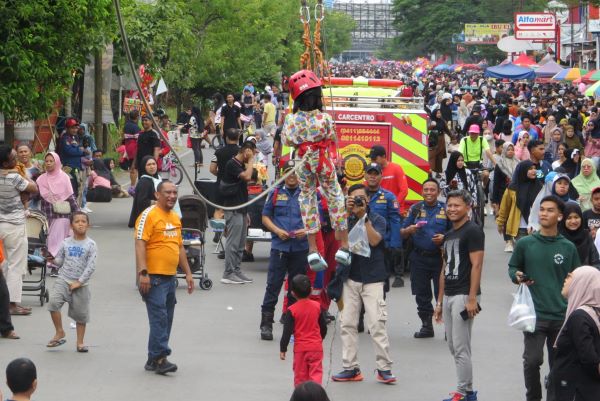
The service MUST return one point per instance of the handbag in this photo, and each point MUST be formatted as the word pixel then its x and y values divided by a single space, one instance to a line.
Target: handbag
pixel 61 207
pixel 229 189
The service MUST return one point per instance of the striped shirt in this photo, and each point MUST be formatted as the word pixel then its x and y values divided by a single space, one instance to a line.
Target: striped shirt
pixel 11 208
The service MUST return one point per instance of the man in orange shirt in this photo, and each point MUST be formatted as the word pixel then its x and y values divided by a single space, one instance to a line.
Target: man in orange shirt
pixel 394 180
pixel 158 252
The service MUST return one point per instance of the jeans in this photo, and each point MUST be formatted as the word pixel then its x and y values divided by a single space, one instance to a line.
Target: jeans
pixel 280 263
pixel 5 320
pixel 160 304
pixel 545 332
pixel 235 241
pixel 424 270
pixel 197 149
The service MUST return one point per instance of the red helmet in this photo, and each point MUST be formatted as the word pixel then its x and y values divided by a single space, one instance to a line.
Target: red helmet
pixel 302 81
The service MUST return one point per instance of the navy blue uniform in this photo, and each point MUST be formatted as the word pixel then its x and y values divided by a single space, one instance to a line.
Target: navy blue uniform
pixel 385 204
pixel 426 258
pixel 287 256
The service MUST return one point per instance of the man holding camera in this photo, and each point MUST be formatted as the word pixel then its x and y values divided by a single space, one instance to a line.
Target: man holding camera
pixel 364 286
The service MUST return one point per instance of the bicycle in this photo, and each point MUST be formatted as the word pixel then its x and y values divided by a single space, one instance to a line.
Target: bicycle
pixel 479 208
pixel 170 169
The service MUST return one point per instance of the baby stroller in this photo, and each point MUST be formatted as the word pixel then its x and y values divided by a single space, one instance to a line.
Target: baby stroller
pixel 193 226
pixel 37 232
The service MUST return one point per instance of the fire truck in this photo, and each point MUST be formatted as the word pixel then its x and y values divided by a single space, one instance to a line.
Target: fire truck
pixel 370 112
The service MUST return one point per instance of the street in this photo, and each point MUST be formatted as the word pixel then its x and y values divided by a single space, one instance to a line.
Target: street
pixel 216 341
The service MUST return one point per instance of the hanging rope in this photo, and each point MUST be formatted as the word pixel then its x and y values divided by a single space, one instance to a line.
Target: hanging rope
pixel 321 67
pixel 305 58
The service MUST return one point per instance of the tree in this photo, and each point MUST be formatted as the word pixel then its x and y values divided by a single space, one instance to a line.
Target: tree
pixel 337 33
pixel 44 43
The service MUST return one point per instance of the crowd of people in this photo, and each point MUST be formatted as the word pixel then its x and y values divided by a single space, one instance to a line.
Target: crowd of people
pixel 533 150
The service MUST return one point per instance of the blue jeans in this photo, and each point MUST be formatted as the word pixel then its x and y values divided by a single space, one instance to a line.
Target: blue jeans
pixel 280 263
pixel 160 304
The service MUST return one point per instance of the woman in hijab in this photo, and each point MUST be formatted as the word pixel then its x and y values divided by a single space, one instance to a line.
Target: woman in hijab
pixel 145 189
pixel 585 182
pixel 551 151
pixel 503 173
pixel 571 227
pixel 575 373
pixel 517 201
pixel 458 177
pixel 549 129
pixel 571 163
pixel 437 154
pixel 99 188
pixel 116 189
pixel 521 151
pixel 57 202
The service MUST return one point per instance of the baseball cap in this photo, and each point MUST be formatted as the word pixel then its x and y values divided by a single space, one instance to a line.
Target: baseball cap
pixel 474 128
pixel 374 167
pixel 288 165
pixel 71 122
pixel 377 150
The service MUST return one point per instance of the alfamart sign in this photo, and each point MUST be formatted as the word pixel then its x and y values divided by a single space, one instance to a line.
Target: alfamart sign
pixel 536 26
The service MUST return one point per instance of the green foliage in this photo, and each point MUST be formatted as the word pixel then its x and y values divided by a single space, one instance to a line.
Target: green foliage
pixel 338 29
pixel 427 26
pixel 44 43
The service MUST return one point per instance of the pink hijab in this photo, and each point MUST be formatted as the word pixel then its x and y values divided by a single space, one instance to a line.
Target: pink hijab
pixel 55 186
pixel 584 293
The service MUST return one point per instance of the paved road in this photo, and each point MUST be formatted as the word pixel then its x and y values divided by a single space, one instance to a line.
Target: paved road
pixel 216 339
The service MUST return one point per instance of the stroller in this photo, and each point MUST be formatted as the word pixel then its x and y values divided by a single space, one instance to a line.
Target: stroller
pixel 37 232
pixel 193 226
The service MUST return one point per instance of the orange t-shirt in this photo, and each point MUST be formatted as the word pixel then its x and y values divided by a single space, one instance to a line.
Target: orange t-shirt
pixel 161 231
pixel 1 252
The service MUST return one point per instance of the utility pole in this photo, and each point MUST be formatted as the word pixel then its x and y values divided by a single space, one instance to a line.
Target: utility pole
pixel 98 99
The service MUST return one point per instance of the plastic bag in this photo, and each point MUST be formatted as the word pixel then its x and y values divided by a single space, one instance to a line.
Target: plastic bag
pixel 522 311
pixel 358 240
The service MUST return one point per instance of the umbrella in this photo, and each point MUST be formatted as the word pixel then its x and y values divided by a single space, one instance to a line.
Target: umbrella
pixel 593 90
pixel 591 76
pixel 441 67
pixel 569 74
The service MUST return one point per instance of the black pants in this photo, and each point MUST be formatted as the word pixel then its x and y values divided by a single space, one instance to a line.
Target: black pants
pixel 196 148
pixel 99 194
pixel 280 263
pixel 74 176
pixel 5 321
pixel 423 271
pixel 545 332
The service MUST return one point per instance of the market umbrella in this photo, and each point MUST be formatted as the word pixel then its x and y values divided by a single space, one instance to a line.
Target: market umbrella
pixel 591 76
pixel 570 74
pixel 593 90
pixel 441 67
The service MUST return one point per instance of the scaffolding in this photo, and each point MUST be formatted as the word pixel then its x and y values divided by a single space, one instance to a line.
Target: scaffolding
pixel 374 25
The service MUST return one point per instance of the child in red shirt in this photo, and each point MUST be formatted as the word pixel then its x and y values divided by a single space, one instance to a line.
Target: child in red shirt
pixel 306 322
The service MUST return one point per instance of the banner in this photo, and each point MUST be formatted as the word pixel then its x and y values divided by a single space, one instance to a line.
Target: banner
pixel 485 34
pixel 24 131
pixel 88 89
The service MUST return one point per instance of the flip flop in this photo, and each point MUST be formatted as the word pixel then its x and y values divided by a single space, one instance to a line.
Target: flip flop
pixel 56 343
pixel 83 348
pixel 18 311
pixel 11 335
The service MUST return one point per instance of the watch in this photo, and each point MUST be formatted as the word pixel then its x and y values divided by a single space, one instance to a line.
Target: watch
pixel 143 272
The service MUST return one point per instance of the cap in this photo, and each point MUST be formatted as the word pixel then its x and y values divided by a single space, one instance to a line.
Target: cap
pixel 373 167
pixel 377 150
pixel 146 117
pixel 288 165
pixel 474 128
pixel 71 122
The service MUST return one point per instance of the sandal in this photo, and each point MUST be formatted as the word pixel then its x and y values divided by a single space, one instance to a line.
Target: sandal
pixel 316 262
pixel 83 348
pixel 11 335
pixel 56 343
pixel 343 256
pixel 19 311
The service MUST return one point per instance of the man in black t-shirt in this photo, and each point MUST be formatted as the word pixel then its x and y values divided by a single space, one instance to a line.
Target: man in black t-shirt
pixel 224 154
pixel 459 287
pixel 591 217
pixel 237 170
pixel 230 114
pixel 148 143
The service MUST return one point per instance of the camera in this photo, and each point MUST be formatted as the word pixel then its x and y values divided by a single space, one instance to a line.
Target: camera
pixel 358 202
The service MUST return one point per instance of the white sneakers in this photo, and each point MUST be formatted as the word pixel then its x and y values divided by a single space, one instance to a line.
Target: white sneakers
pixel 508 247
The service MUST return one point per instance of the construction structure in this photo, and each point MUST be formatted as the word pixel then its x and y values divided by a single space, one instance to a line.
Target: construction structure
pixel 374 25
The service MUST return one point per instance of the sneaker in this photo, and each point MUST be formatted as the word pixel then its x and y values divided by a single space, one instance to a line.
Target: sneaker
pixel 456 397
pixel 508 247
pixel 221 255
pixel 343 256
pixel 247 256
pixel 385 376
pixel 150 365
pixel 86 210
pixel 163 366
pixel 243 277
pixel 348 375
pixel 53 272
pixel 472 396
pixel 398 282
pixel 232 279
pixel 216 238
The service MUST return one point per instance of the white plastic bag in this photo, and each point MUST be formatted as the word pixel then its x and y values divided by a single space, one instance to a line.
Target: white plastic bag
pixel 358 240
pixel 522 311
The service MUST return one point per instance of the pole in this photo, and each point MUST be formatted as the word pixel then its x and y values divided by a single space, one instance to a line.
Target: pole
pixel 597 50
pixel 98 99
